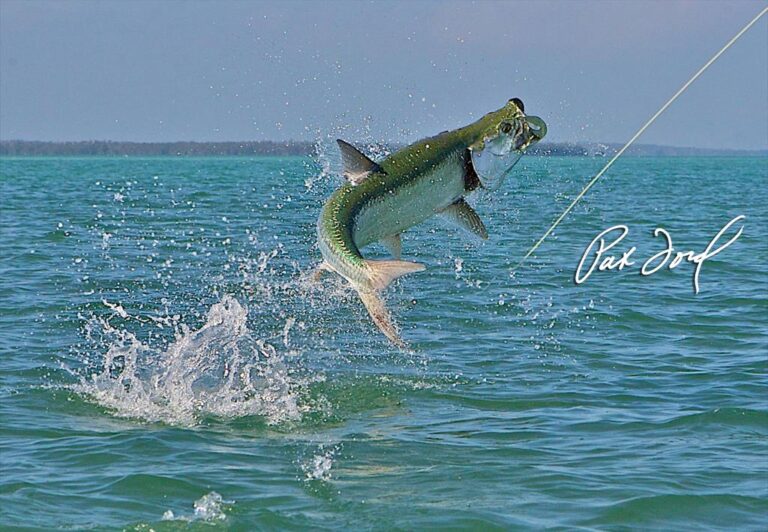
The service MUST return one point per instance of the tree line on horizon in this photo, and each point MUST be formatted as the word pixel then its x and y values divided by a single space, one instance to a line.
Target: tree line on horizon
pixel 181 148
pixel 29 148
pixel 191 149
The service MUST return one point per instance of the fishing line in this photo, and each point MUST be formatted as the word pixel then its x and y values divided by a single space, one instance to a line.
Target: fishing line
pixel 636 135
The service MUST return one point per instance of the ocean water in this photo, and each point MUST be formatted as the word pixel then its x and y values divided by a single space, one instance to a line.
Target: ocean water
pixel 167 364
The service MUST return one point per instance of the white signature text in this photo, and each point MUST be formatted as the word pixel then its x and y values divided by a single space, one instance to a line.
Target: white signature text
pixel 597 256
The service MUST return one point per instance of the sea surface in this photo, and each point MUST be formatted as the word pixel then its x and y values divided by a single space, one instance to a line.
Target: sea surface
pixel 167 363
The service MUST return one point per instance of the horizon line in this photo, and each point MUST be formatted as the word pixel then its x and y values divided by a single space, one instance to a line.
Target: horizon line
pixel 295 142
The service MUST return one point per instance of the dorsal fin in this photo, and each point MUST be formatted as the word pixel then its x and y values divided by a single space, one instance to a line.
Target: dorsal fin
pixel 357 165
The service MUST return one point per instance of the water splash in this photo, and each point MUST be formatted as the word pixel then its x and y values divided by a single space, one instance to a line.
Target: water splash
pixel 220 369
pixel 208 508
pixel 318 467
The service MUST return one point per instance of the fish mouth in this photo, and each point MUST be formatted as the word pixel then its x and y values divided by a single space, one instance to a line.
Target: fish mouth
pixel 523 132
pixel 495 157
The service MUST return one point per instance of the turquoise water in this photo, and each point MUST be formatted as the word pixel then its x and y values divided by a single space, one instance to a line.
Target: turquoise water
pixel 166 364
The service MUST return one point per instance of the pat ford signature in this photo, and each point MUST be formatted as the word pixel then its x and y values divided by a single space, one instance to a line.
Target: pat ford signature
pixel 596 255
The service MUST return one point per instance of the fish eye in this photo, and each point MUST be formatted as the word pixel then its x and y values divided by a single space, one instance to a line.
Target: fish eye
pixel 519 103
pixel 505 127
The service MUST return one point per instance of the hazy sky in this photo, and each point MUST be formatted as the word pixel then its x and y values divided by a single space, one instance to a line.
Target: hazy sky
pixel 241 70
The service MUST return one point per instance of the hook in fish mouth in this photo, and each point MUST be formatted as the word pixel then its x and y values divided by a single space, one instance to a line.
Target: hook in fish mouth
pixel 531 129
pixel 537 127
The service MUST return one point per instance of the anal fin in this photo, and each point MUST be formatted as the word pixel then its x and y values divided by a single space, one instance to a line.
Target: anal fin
pixel 394 245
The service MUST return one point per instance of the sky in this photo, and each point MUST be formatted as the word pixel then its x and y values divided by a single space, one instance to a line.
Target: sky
pixel 384 71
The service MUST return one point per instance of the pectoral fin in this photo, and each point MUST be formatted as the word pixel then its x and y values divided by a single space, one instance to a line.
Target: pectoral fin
pixel 394 245
pixel 357 165
pixel 461 214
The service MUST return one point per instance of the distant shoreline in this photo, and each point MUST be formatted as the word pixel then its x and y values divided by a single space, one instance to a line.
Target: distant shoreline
pixel 27 148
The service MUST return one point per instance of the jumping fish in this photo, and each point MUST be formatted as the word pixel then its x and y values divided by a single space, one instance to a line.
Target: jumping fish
pixel 382 199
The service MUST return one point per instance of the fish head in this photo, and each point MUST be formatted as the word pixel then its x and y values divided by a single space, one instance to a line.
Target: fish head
pixel 504 136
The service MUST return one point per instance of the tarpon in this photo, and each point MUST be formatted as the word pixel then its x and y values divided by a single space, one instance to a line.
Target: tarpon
pixel 382 199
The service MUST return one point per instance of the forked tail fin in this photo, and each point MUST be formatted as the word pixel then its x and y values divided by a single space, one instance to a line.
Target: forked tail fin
pixel 384 272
